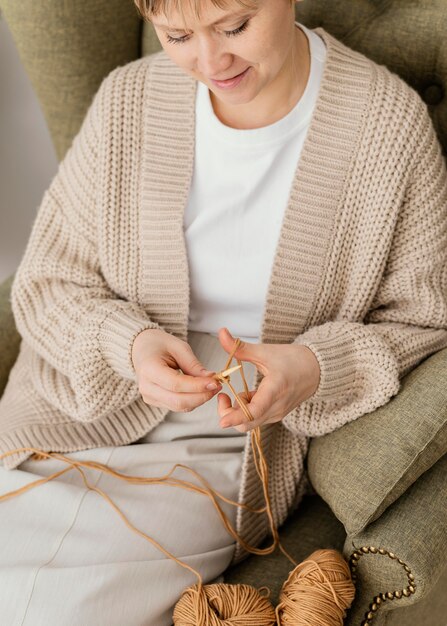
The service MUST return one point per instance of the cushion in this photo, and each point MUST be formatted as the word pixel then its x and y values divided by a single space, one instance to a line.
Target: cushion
pixel 414 530
pixel 364 466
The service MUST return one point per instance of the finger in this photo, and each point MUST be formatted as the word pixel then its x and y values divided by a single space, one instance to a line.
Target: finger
pixel 246 426
pixel 187 360
pixel 259 406
pixel 223 404
pixel 246 351
pixel 168 378
pixel 183 402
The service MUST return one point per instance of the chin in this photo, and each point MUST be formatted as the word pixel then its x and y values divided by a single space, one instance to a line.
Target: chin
pixel 232 98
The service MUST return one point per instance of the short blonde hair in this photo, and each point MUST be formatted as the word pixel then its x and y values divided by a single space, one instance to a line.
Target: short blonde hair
pixel 149 8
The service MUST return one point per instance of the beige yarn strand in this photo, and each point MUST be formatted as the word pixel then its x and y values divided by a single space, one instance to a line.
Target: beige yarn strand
pixel 206 605
pixel 261 467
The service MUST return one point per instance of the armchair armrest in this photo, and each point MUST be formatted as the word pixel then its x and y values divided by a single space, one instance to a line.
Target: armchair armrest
pixel 9 337
pixel 414 531
pixel 363 467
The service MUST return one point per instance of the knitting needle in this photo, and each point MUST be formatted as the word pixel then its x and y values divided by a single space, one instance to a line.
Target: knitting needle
pixel 228 371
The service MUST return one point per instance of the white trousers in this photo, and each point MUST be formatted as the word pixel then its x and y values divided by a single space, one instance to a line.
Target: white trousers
pixel 68 559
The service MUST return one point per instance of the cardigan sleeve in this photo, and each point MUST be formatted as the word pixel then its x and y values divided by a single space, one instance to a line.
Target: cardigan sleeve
pixel 79 329
pixel 361 364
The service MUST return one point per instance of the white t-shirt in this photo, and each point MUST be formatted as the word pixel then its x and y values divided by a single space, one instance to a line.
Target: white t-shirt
pixel 239 192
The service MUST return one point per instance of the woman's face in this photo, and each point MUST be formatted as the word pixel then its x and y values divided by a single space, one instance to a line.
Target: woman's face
pixel 258 42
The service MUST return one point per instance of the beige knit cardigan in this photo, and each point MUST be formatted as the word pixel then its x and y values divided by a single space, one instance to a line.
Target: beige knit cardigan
pixel 359 275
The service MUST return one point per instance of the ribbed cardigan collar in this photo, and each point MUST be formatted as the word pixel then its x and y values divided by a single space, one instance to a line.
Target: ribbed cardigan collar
pixel 315 194
pixel 315 199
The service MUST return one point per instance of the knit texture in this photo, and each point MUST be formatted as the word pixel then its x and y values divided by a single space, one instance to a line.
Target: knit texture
pixel 359 275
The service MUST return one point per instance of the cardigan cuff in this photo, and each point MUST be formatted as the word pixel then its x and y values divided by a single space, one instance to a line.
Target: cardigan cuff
pixel 116 336
pixel 336 357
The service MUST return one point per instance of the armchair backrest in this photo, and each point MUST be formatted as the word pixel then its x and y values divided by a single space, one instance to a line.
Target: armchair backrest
pixel 68 47
pixel 408 36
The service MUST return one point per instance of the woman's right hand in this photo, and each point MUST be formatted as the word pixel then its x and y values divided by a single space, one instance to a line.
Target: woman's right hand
pixel 157 357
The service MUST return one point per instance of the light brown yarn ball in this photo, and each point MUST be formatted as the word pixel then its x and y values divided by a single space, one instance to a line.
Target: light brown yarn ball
pixel 240 605
pixel 318 591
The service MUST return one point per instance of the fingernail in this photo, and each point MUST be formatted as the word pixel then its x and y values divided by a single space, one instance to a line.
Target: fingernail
pixel 211 386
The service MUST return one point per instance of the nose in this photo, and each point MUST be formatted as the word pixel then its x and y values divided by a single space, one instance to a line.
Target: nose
pixel 212 58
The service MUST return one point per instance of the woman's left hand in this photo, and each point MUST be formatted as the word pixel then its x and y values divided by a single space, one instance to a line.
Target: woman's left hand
pixel 291 375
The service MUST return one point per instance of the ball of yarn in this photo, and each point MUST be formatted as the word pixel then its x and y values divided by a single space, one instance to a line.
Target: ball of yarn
pixel 318 591
pixel 218 604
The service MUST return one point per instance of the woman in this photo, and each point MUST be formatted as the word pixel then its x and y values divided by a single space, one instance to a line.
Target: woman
pixel 254 175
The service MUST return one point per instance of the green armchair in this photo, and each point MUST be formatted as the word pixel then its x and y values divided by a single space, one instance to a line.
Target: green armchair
pixel 380 482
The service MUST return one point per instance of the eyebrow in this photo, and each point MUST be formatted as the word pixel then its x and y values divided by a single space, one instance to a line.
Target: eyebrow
pixel 222 19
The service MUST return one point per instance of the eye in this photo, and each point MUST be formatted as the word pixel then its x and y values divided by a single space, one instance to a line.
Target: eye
pixel 174 40
pixel 231 33
pixel 228 33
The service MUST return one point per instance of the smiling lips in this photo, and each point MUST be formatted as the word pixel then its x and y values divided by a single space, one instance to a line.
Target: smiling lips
pixel 221 80
pixel 230 82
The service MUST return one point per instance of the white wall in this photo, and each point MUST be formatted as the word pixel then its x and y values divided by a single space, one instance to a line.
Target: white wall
pixel 27 158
